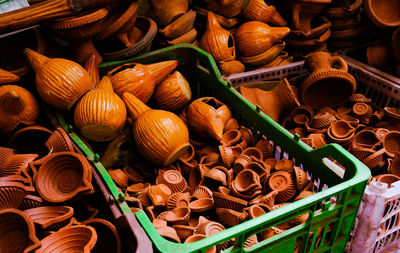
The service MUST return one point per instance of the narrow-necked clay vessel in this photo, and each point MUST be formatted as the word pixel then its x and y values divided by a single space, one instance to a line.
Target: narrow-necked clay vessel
pixel 50 217
pixel 173 93
pixel 218 41
pixel 59 141
pixel 260 11
pixel 167 11
pixel 329 83
pixel 100 114
pixel 108 239
pixel 279 100
pixel 391 142
pixel 63 176
pixel 8 77
pixel 17 106
pixel 60 82
pixel 384 14
pixel 255 37
pixel 160 136
pixel 17 232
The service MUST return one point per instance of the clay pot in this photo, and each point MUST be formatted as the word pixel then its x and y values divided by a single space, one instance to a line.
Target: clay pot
pixel 259 167
pixel 207 116
pixel 119 177
pixel 178 216
pixel 230 138
pixel 341 129
pixel 382 16
pixel 275 102
pixel 160 136
pixel 173 179
pixel 260 11
pixel 82 238
pixel 50 217
pixel 188 155
pixel 63 176
pixel 302 115
pixel 188 37
pixel 392 115
pixel 255 37
pixel 268 199
pixel 159 194
pixel 301 178
pixel 17 232
pixel 391 143
pixel 218 41
pixel 180 26
pixel 365 139
pixel 327 85
pixel 16 164
pixel 178 199
pixel 282 182
pixel 60 82
pixel 322 120
pixel 202 192
pixel 380 55
pixel 201 205
pixel 8 77
pixel 183 231
pixel 258 210
pixel 31 201
pixel 196 176
pixel 134 175
pixel 167 232
pixel 137 189
pixel 226 8
pixel 362 111
pixel 59 141
pixel 387 178
pixel 380 133
pixel 198 237
pixel 173 93
pixel 228 68
pixel 247 136
pixel 229 202
pixel 167 11
pixel 375 159
pixel 265 147
pixel 284 165
pixel 217 176
pixel 321 27
pixel 108 239
pixel 246 182
pixel 265 57
pixel 13 193
pixel 17 106
pixel 352 120
pixel 227 23
pixel 230 217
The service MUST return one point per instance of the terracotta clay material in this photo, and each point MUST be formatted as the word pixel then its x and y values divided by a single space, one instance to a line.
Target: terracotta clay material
pixel 13 193
pixel 394 167
pixel 391 143
pixel 284 165
pixel 265 57
pixel 230 138
pixel 301 178
pixel 31 201
pixel 229 202
pixel 265 147
pixel 180 26
pixel 387 178
pixel 183 231
pixel 228 68
pixel 178 216
pixel 59 141
pixel 188 37
pixel 63 176
pixel 16 164
pixel 246 181
pixel 108 239
pixel 119 177
pixel 196 176
pixel 362 111
pixel 202 192
pixel 258 210
pixel 365 139
pixel 17 232
pixel 168 11
pixel 198 237
pixel 230 217
pixel 8 77
pixel 50 217
pixel 260 11
pixel 260 168
pixel 134 175
pixel 159 194
pixel 385 14
pixel 341 129
pixel 392 115
pixel 375 159
pixel 268 199
pixel 352 120
pixel 380 55
pixel 30 140
pixel 283 182
pixel 174 180
pixel 201 205
pixel 226 8
pixel 322 120
pixel 178 199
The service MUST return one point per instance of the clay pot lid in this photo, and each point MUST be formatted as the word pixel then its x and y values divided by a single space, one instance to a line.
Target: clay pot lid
pixel 230 217
pixel 201 205
pixel 230 202
pixel 137 188
pixel 341 129
pixel 202 192
pixel 159 194
pixel 119 177
pixel 246 181
pixel 59 141
pixel 231 137
pixel 178 199
pixel 391 142
pixel 174 180
pixel 108 239
pixel 382 16
pixel 284 165
pixel 52 217
pixel 387 178
pixel 17 231
pixel 301 178
pixel 78 21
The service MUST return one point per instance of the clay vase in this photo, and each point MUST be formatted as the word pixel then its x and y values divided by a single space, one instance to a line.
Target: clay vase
pixel 260 11
pixel 79 30
pixel 50 217
pixel 138 79
pixel 108 239
pixel 218 41
pixel 384 14
pixel 160 136
pixel 329 84
pixel 8 77
pixel 303 11
pixel 275 102
pixel 167 11
pixel 255 37
pixel 207 116
pixel 17 232
pixel 63 176
pixel 80 237
pixel 100 114
pixel 60 82
pixel 17 106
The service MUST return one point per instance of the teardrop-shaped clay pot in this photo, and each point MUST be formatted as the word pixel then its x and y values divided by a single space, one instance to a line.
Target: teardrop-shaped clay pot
pixel 255 37
pixel 260 11
pixel 167 11
pixel 17 106
pixel 63 176
pixel 218 41
pixel 160 136
pixel 8 77
pixel 50 217
pixel 100 115
pixel 60 82
pixel 17 232
pixel 108 239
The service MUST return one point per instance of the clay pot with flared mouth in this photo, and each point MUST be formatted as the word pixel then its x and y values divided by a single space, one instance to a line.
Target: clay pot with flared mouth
pixel 167 11
pixel 384 14
pixel 275 102
pixel 329 83
pixel 391 143
pixel 63 176
pixel 260 11
pixel 60 82
pixel 50 217
pixel 218 41
pixel 8 77
pixel 160 136
pixel 59 141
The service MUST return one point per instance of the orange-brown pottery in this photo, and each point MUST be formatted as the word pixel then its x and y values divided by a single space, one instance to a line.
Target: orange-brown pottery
pixel 260 11
pixel 167 11
pixel 8 77
pixel 50 217
pixel 180 26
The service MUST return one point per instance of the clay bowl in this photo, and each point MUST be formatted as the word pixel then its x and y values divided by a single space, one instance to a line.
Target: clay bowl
pixel 50 217
pixel 310 44
pixel 179 26
pixel 202 192
pixel 284 165
pixel 362 111
pixel 183 231
pixel 198 237
pixel 229 202
pixel 31 201
pixel 268 199
pixel 216 176
pixel 168 233
pixel 13 193
pixel 196 176
pixel 80 237
pixel 361 153
pixel 17 232
pixel 63 176
pixel 201 205
pixel 374 160
pixel 241 162
pixel 59 141
pixel 391 142
pixel 352 120
pixel 108 239
pixel 230 217
pixel 385 14
pixel 174 180
pixel 188 154
pixel 258 210
pixel 260 168
pixel 178 199
pixel 301 178
pixel 178 216
pixel 31 140
pixel 387 178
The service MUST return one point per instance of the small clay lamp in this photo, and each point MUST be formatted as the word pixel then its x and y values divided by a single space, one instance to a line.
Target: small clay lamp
pixel 108 239
pixel 230 217
pixel 173 179
pixel 384 14
pixel 178 199
pixel 229 202
pixel 177 216
pixel 391 142
pixel 341 129
pixel 388 179
pixel 198 237
pixel 183 231
pixel 283 182
pixel 168 11
pixel 50 217
pixel 159 194
pixel 59 141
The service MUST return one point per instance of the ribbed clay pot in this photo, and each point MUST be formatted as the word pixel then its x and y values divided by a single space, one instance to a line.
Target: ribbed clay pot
pixel 108 239
pixel 160 136
pixel 50 217
pixel 16 164
pixel 17 232
pixel 60 82
pixel 8 77
pixel 282 181
pixel 59 141
pixel 391 142
pixel 265 57
pixel 329 83
pixel 63 176
pixel 260 11
pixel 13 193
pixel 31 139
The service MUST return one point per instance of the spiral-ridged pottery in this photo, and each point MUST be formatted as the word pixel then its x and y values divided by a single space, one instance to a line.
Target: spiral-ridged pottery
pixel 30 140
pixel 13 193
pixel 50 217
pixel 59 141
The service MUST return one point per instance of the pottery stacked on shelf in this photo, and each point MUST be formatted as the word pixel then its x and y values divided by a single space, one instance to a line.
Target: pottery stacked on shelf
pixel 347 27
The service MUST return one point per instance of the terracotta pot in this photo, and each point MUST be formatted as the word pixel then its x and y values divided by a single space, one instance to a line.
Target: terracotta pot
pixel 5 153
pixel 343 11
pixel 159 194
pixel 255 37
pixel 380 55
pixel 137 189
pixel 210 228
pixel 216 177
pixel 64 176
pixel 394 167
pixel 16 164
pixel 107 235
pixel 247 136
pixel 279 100
pixel 17 106
pixel 17 232
pixel 375 159
pixel 392 115
pixel 160 136
pixel 81 237
pixel 100 115
pixel 352 120
pixel 341 129
pixel 322 120
pixel 180 26
pixel 302 115
pixel 178 199
pixel 188 37
pixel 167 11
pixel 226 8
pixel 316 31
pixel 260 11
pixel 198 237
pixel 59 141
pixel 196 176
pixel 308 46
pixel 178 216
pixel 365 139
pixel 229 202
pixel 30 201
pixel 391 143
pixel 173 179
pixel 268 199
pixel 228 68
pixel 265 57
pixel 202 192
pixel 327 85
pixel 317 140
pixel 201 205
pixel 387 178
pixel 230 217
pixel 8 77
pixel 173 93
pixel 227 23
pixel 218 41
pixel 246 181
pixel 13 193
pixel 384 14
pixel 50 217
pixel 282 182
pixel 230 138
pixel 284 165
pixel 119 177
pixel 183 231
pixel 265 147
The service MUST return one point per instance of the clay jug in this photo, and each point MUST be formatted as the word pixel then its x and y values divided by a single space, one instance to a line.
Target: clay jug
pixel 273 102
pixel 329 83
pixel 160 136
pixel 60 82
pixel 255 37
pixel 218 41
pixel 260 11
pixel 167 10
pixel 100 114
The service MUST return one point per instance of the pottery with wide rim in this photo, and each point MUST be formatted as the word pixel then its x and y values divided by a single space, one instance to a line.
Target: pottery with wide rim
pixel 50 217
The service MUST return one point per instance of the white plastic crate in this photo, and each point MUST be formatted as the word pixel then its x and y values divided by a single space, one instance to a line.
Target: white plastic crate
pixel 377 227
